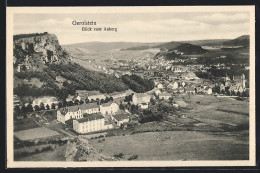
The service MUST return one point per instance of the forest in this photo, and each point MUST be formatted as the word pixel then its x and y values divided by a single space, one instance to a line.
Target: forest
pixel 77 78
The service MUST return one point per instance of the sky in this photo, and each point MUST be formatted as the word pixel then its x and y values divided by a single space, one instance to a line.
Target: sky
pixel 137 27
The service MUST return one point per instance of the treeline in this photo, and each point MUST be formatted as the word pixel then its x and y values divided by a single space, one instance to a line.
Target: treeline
pixel 138 84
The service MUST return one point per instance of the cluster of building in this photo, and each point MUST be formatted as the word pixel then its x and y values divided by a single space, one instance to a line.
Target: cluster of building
pixel 92 117
pixel 237 84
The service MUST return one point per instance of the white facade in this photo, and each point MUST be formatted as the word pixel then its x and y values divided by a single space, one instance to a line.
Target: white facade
pixel 109 108
pixel 63 117
pixel 88 125
pixel 140 98
pixel 76 112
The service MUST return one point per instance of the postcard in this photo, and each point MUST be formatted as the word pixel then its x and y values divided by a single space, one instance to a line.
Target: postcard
pixel 128 86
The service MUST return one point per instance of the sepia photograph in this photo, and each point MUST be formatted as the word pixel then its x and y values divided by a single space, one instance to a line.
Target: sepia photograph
pixel 130 86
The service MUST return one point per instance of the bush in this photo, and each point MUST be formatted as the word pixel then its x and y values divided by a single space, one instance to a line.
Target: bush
pixel 133 157
pixel 120 155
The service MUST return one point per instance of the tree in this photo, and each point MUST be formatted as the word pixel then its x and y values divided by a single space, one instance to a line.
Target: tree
pixel 52 106
pixel 29 108
pixel 60 105
pixel 121 106
pixel 42 107
pixel 81 102
pixel 47 107
pixel 87 101
pixel 17 109
pixel 23 109
pixel 111 98
pixel 37 108
pixel 238 94
pixel 152 101
pixel 70 103
pixel 76 102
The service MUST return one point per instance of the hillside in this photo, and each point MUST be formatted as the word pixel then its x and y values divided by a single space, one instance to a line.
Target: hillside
pixel 35 51
pixel 239 41
pixel 211 42
pixel 187 48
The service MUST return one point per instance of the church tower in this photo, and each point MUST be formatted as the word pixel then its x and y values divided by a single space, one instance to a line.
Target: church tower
pixel 243 81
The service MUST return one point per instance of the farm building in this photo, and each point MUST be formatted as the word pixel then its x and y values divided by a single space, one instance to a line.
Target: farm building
pixel 165 96
pixel 109 108
pixel 120 118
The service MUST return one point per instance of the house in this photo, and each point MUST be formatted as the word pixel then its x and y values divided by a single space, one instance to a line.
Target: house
pixel 82 94
pixel 108 125
pixel 90 123
pixel 140 98
pixel 181 90
pixel 109 108
pixel 208 90
pixel 165 96
pixel 174 85
pixel 76 112
pixel 143 105
pixel 45 100
pixel 72 98
pixel 159 86
pixel 120 118
pixel 180 103
pixel 157 92
pixel 190 90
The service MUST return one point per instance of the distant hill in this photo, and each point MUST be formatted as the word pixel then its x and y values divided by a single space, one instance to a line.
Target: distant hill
pixel 239 41
pixel 212 42
pixel 188 48
pixel 106 46
pixel 169 45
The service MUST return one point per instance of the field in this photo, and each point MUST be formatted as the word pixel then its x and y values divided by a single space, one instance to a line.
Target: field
pixel 24 124
pixel 55 155
pixel 215 129
pixel 177 145
pixel 35 133
pixel 219 112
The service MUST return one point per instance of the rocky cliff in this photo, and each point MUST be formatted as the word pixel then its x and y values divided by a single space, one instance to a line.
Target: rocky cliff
pixel 32 50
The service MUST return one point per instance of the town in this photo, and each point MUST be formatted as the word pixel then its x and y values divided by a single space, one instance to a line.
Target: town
pixel 156 90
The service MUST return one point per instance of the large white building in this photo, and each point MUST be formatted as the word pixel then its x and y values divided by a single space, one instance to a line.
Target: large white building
pixel 90 123
pixel 109 108
pixel 76 112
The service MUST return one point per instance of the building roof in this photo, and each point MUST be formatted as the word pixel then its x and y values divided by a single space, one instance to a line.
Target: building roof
pixel 88 106
pixel 77 107
pixel 107 104
pixel 120 117
pixel 90 117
